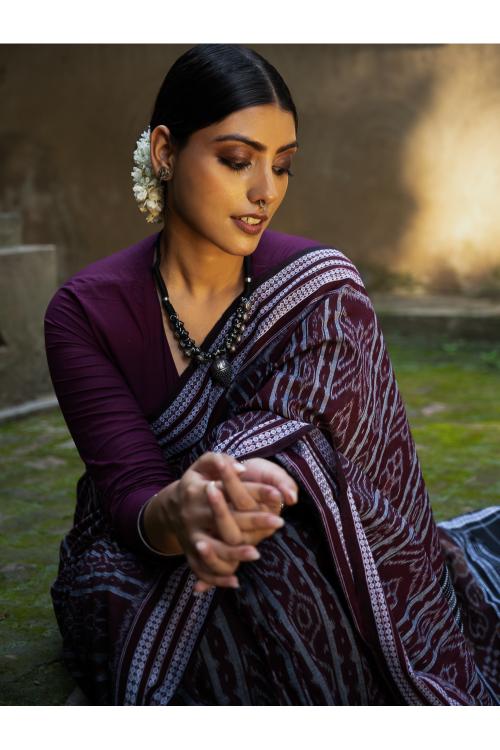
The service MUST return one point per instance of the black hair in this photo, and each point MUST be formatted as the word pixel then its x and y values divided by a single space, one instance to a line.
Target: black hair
pixel 209 82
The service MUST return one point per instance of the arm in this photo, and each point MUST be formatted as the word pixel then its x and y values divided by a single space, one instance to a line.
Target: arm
pixel 152 523
pixel 108 427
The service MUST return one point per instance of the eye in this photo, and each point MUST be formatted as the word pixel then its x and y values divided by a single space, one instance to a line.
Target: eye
pixel 239 165
pixel 280 171
pixel 236 165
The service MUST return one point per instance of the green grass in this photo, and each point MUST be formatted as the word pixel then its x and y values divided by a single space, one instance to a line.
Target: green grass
pixel 39 467
pixel 450 389
pixel 451 392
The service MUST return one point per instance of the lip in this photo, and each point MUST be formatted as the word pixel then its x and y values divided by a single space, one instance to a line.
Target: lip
pixel 249 228
pixel 254 216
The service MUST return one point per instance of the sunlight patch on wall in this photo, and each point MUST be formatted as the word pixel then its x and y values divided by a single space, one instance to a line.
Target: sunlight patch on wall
pixel 452 169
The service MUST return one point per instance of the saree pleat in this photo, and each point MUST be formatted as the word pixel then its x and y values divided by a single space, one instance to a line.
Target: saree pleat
pixel 358 599
pixel 285 637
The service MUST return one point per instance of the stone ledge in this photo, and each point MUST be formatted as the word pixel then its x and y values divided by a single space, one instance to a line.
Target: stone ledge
pixel 427 305
pixel 20 249
pixel 28 407
pixel 458 316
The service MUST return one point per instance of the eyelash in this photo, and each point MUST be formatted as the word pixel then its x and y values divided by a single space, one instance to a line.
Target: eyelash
pixel 240 165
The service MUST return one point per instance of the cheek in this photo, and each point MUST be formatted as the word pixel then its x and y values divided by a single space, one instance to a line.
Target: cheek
pixel 206 200
pixel 204 191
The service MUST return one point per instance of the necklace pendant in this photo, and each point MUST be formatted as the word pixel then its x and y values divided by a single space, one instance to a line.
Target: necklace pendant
pixel 221 371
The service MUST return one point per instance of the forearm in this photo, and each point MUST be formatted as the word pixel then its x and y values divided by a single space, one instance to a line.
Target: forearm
pixel 157 526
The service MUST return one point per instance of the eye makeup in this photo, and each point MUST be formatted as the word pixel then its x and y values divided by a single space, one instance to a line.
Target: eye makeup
pixel 238 166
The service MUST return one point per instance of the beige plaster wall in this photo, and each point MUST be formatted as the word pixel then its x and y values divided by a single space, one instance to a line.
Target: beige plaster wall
pixel 399 163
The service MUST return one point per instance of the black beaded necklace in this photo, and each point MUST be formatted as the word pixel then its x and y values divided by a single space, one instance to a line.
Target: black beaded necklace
pixel 221 369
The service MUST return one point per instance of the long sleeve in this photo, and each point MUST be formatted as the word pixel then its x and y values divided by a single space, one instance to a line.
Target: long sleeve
pixel 113 373
pixel 111 433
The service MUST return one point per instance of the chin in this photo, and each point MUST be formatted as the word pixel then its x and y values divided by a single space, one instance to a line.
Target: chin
pixel 240 252
pixel 240 245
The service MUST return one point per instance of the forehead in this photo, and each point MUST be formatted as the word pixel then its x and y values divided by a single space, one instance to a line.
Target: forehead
pixel 266 123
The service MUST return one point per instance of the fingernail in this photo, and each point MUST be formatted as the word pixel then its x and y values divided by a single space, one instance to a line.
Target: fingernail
pixel 235 585
pixel 292 494
pixel 201 546
pixel 276 521
pixel 240 468
pixel 253 554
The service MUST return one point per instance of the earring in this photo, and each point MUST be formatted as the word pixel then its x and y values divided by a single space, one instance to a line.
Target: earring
pixel 164 173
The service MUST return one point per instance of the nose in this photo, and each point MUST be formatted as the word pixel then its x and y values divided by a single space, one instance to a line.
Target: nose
pixel 264 188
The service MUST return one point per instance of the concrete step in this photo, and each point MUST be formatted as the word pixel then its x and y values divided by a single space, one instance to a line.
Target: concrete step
pixel 458 316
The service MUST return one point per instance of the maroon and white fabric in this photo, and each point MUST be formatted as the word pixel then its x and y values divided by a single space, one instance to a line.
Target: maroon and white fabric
pixel 351 602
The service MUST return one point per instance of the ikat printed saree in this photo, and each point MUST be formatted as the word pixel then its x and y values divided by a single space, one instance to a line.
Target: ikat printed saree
pixel 359 599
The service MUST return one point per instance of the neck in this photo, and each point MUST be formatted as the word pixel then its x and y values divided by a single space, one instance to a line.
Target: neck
pixel 199 271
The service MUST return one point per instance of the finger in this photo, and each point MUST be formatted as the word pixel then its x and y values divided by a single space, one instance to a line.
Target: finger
pixel 262 494
pixel 224 558
pixel 227 528
pixel 216 563
pixel 272 500
pixel 272 473
pixel 206 559
pixel 201 586
pixel 210 464
pixel 256 535
pixel 235 490
pixel 288 493
pixel 229 581
pixel 257 521
pixel 202 571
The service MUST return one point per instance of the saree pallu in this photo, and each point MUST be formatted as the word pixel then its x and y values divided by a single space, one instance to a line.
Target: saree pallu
pixel 359 599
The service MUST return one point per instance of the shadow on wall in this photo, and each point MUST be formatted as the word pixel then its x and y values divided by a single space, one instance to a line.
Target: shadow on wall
pixel 71 116
pixel 32 185
pixel 403 156
pixel 362 104
pixel 398 167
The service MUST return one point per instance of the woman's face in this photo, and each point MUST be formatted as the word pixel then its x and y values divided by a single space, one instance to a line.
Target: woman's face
pixel 224 170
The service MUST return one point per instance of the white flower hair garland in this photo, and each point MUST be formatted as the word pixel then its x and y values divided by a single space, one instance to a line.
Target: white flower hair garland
pixel 146 186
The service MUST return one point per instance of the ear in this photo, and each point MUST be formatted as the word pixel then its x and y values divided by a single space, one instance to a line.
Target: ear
pixel 162 151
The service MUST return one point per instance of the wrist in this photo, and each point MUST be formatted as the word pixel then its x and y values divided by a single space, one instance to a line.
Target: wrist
pixel 157 525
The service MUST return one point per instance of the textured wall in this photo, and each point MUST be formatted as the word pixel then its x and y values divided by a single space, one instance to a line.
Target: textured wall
pixel 27 279
pixel 399 163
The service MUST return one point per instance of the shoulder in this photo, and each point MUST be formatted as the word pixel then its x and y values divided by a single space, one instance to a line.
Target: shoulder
pixel 108 278
pixel 321 276
pixel 123 265
pixel 277 249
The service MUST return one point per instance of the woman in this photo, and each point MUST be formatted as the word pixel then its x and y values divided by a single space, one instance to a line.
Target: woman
pixel 218 339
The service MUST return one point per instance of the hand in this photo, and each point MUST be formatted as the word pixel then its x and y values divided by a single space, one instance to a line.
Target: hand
pixel 263 471
pixel 252 523
pixel 189 515
pixel 268 485
pixel 230 515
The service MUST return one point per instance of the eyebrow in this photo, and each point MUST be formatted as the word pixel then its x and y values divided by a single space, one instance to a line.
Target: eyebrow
pixel 254 144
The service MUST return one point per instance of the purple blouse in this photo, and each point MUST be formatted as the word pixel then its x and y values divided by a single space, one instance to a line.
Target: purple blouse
pixel 113 372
